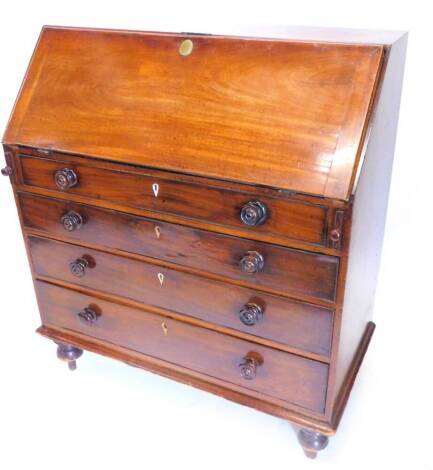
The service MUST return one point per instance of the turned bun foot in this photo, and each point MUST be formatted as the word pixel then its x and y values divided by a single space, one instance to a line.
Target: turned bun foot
pixel 68 353
pixel 311 441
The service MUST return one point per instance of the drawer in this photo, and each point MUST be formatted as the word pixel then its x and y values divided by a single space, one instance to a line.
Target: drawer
pixel 279 375
pixel 283 270
pixel 169 193
pixel 270 317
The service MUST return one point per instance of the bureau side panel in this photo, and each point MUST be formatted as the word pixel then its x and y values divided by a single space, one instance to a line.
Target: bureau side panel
pixel 368 219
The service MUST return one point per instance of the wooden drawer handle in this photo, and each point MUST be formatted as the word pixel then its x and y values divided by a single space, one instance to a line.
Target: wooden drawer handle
pixel 254 213
pixel 252 262
pixel 87 316
pixel 78 267
pixel 335 235
pixel 72 221
pixel 248 367
pixel 6 171
pixel 65 179
pixel 250 313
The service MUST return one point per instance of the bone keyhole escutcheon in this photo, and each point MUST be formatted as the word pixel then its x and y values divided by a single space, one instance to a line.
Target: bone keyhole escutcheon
pixel 157 231
pixel 161 278
pixel 164 328
pixel 155 189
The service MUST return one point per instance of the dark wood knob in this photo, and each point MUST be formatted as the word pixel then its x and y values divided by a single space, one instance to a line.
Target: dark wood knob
pixel 78 267
pixel 248 367
pixel 87 316
pixel 71 221
pixel 65 179
pixel 254 213
pixel 335 235
pixel 252 262
pixel 250 313
pixel 6 171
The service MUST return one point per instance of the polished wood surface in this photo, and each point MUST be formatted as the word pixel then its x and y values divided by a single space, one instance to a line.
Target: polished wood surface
pixel 289 272
pixel 228 391
pixel 295 324
pixel 294 225
pixel 282 376
pixel 211 213
pixel 284 114
pixel 165 193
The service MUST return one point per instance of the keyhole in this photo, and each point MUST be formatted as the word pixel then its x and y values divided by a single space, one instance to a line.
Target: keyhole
pixel 164 328
pixel 155 188
pixel 161 278
pixel 157 231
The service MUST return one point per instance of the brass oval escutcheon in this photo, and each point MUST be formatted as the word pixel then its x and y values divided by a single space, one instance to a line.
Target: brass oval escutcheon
pixel 185 47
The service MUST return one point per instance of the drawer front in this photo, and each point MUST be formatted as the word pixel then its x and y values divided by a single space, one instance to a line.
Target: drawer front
pixel 222 206
pixel 287 271
pixel 279 375
pixel 266 316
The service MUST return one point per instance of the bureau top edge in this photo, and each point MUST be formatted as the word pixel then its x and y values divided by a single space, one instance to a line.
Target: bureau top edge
pixel 272 33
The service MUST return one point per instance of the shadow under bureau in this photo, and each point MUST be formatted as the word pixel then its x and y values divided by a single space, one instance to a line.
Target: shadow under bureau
pixel 211 208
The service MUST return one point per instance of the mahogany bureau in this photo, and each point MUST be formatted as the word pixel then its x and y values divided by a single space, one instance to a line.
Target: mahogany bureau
pixel 211 208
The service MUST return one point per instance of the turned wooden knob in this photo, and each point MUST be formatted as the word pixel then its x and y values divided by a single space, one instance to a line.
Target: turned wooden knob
pixel 87 316
pixel 250 313
pixel 335 235
pixel 248 367
pixel 254 213
pixel 71 221
pixel 78 267
pixel 65 178
pixel 252 262
pixel 6 171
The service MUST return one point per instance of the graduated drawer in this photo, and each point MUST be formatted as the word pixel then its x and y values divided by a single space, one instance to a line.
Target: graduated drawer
pixel 279 375
pixel 187 197
pixel 294 324
pixel 287 271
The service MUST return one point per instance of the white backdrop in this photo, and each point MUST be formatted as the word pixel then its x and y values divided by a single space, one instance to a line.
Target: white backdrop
pixel 109 415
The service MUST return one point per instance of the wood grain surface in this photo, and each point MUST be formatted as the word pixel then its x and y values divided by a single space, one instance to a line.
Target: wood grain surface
pixel 306 126
pixel 299 325
pixel 286 271
pixel 281 375
pixel 219 205
pixel 283 114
